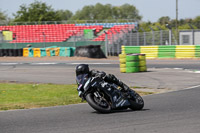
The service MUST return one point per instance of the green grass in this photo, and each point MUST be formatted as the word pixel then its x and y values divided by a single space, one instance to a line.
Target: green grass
pixel 25 96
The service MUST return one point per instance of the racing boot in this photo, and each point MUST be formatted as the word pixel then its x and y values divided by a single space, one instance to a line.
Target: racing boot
pixel 124 87
pixel 112 78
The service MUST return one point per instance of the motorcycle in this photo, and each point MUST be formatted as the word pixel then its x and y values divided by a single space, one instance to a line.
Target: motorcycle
pixel 106 97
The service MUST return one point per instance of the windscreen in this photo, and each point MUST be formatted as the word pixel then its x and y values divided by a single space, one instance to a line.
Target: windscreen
pixel 81 79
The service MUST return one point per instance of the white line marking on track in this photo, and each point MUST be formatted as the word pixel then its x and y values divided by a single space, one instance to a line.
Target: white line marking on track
pixel 43 63
pixel 192 87
pixel 9 63
pixel 90 63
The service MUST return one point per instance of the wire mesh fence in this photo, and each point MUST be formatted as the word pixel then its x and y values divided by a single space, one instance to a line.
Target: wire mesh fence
pixel 111 39
pixel 134 38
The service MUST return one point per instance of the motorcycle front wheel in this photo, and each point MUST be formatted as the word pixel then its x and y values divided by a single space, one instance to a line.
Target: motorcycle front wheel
pixel 99 104
pixel 137 102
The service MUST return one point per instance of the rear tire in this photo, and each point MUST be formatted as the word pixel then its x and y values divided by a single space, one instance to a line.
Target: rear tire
pixel 137 102
pixel 104 108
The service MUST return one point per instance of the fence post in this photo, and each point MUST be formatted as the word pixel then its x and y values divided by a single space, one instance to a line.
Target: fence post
pixel 44 37
pixel 106 44
pixel 170 37
pixel 153 38
pixel 118 44
pixel 112 47
pixel 161 35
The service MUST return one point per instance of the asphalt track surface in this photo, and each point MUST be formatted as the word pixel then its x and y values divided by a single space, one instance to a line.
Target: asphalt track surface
pixel 171 112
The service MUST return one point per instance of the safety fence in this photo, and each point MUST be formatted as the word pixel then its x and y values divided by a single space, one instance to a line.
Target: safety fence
pixel 49 51
pixel 172 51
pixel 11 52
pixel 39 52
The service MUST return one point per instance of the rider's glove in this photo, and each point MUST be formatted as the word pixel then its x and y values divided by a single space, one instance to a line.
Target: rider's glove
pixel 80 93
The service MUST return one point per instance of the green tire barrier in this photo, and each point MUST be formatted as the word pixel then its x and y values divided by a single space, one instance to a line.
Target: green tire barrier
pixel 161 51
pixel 166 51
pixel 133 57
pixel 131 49
pixel 197 51
pixel 132 69
pixel 132 64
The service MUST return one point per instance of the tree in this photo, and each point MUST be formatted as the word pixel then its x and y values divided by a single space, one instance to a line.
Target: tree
pixel 164 20
pixel 36 11
pixel 107 12
pixel 64 14
pixel 102 12
pixel 85 14
pixel 196 22
pixel 2 16
pixel 127 11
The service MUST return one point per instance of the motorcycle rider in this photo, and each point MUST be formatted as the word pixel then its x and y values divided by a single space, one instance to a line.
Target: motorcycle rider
pixel 84 69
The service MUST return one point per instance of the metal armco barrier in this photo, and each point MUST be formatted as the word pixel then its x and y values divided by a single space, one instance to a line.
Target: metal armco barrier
pixel 171 51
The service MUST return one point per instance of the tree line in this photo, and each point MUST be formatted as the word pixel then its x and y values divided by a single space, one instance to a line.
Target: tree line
pixel 40 11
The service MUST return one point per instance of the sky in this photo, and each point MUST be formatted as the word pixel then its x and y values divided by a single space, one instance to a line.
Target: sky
pixel 150 10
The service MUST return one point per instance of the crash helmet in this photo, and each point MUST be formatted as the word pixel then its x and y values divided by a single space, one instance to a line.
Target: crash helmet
pixel 82 69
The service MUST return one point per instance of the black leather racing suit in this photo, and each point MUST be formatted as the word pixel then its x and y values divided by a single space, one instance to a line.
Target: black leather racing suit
pixel 109 78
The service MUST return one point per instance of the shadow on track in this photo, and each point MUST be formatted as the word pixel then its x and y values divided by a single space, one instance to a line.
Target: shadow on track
pixel 121 111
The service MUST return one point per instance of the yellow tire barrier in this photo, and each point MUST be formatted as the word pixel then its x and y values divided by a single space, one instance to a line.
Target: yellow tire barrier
pixel 142 57
pixel 122 70
pixel 150 51
pixel 143 69
pixel 122 65
pixel 122 61
pixel 122 56
pixel 185 51
pixel 142 63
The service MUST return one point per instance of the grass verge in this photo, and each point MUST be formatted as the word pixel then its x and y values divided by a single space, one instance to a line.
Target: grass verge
pixel 26 96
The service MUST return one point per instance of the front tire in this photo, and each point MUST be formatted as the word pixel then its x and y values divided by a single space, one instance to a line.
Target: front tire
pixel 101 106
pixel 137 102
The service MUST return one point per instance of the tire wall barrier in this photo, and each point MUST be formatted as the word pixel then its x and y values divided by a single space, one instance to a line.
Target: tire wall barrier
pixel 171 51
pixel 131 63
pixel 49 51
pixel 11 52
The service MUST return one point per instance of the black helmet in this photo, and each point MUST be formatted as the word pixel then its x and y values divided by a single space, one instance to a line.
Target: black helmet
pixel 82 69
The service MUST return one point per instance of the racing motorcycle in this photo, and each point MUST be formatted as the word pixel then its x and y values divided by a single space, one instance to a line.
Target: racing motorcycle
pixel 106 97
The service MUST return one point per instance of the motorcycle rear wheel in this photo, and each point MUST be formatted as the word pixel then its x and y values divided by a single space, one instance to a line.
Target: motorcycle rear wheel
pixel 102 106
pixel 137 102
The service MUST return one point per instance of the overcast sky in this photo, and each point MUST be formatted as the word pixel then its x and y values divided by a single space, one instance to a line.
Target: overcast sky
pixel 151 10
